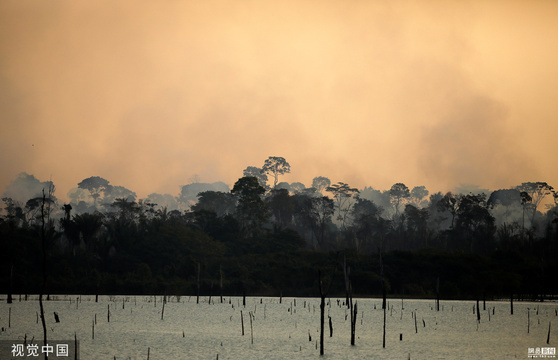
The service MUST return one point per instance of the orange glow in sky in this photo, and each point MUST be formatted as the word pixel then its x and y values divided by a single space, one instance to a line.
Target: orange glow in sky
pixel 148 93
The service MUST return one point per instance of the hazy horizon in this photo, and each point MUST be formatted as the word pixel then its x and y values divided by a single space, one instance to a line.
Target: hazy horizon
pixel 149 94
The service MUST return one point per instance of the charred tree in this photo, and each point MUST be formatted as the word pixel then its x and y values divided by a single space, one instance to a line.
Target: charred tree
pixel 43 247
pixel 349 292
pixel 323 295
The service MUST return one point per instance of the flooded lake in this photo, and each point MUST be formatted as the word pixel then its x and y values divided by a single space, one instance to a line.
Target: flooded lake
pixel 283 330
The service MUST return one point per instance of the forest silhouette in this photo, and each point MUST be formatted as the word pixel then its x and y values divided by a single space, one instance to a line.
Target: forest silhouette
pixel 270 238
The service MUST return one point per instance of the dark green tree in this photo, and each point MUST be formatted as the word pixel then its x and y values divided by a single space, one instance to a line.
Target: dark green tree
pixel 399 193
pixel 282 206
pixel 251 211
pixel 365 215
pixel 85 227
pixel 450 203
pixel 317 212
pixel 343 196
pixel 127 210
pixel 219 202
pixel 417 225
pixel 475 224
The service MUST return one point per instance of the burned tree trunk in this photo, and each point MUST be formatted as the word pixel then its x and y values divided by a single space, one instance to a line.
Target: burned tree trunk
pixel 384 307
pixel 438 294
pixel 9 300
pixel 43 286
pixel 198 285
pixel 349 291
pixel 323 295
pixel 221 283
pixel 353 320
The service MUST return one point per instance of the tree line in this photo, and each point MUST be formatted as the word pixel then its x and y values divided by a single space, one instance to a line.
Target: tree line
pixel 271 239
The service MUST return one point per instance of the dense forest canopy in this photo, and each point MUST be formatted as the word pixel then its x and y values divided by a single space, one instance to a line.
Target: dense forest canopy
pixel 265 236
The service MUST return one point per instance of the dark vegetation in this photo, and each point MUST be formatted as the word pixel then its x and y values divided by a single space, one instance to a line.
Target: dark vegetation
pixel 272 241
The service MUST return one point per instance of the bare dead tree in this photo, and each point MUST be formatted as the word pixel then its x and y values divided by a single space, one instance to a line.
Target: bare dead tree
pixel 323 295
pixel 45 219
pixel 349 290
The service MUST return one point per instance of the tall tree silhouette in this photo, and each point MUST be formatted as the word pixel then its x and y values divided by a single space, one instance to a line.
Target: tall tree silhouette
pixel 342 195
pixel 276 166
pixel 537 191
pixel 251 210
pixel 95 185
pixel 399 192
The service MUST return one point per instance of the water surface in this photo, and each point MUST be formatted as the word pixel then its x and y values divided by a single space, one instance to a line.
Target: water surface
pixel 283 330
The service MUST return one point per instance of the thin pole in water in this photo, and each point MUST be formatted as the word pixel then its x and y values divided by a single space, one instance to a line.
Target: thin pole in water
pixel 384 341
pixel 528 320
pixel 251 329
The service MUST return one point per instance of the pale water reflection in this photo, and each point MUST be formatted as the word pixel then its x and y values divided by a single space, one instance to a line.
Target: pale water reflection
pixel 282 330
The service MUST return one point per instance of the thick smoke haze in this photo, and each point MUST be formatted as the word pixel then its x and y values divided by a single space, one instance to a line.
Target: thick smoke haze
pixel 147 94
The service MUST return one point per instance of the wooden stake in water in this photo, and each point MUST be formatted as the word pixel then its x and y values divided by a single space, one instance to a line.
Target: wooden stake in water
pixel 251 329
pixel 198 284
pixel 242 322
pixel 9 301
pixel 438 293
pixel 148 353
pixel 108 313
pixel 548 336
pixel 323 295
pixel 384 341
pixel 221 284
pixel 163 311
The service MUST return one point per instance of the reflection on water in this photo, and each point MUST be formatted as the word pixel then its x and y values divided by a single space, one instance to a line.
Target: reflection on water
pixel 281 330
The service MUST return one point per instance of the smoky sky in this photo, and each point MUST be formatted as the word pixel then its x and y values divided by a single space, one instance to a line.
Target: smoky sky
pixel 147 94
